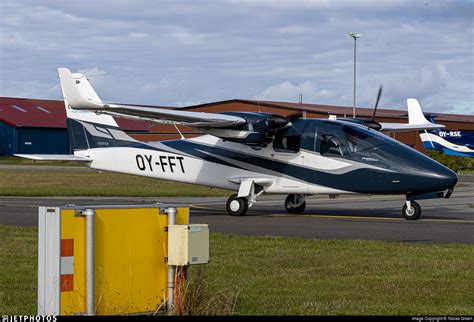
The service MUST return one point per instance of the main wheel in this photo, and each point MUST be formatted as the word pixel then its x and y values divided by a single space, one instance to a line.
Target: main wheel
pixel 413 213
pixel 237 206
pixel 295 204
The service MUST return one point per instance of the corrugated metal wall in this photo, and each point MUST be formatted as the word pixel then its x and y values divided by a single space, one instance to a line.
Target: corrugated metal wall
pixel 7 139
pixel 42 141
pixel 31 140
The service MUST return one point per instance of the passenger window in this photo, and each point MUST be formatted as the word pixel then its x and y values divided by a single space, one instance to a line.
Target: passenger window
pixel 287 143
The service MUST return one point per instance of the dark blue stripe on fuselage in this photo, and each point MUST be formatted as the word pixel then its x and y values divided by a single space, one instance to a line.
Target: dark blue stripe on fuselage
pixel 361 180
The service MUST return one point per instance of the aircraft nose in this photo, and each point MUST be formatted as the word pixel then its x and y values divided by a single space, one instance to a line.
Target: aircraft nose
pixel 447 178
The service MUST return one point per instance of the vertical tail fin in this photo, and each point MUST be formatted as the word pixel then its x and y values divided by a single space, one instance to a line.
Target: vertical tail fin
pixel 415 114
pixel 86 128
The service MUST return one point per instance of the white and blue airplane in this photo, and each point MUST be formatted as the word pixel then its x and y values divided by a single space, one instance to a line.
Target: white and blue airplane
pixel 458 143
pixel 255 153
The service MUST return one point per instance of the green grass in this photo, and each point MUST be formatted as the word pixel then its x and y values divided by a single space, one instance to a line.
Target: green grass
pixel 295 276
pixel 18 270
pixel 288 276
pixel 32 182
pixel 66 183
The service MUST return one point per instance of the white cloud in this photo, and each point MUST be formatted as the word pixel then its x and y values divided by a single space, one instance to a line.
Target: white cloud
pixel 289 92
pixel 171 53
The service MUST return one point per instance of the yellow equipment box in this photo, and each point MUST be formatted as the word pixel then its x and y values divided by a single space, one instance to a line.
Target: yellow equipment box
pixel 130 249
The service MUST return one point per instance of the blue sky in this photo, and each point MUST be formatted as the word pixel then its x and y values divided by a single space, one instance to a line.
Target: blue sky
pixel 181 53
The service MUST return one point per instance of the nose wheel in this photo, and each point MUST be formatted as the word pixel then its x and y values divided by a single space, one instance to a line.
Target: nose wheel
pixel 411 210
pixel 237 206
pixel 295 203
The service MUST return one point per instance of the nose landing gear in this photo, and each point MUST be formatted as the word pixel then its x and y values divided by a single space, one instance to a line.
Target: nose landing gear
pixel 237 206
pixel 411 210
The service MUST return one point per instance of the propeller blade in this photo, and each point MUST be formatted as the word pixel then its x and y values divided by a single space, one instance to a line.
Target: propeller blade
pixel 377 102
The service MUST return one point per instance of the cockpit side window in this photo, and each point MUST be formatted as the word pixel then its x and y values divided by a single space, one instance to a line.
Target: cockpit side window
pixel 331 141
pixel 287 142
pixel 330 144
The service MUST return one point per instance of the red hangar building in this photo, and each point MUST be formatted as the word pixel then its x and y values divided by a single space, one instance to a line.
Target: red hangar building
pixel 38 126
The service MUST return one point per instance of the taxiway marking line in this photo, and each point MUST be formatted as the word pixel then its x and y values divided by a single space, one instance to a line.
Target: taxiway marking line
pixel 353 217
pixel 372 218
pixel 317 201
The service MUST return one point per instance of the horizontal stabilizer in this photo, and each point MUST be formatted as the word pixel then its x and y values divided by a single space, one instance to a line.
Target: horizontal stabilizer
pixel 54 157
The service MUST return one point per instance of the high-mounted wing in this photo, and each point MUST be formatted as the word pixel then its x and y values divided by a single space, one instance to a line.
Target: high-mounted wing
pixel 416 120
pixel 80 100
pixel 256 129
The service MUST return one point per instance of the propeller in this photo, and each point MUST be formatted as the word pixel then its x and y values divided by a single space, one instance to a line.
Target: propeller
pixel 377 102
pixel 372 123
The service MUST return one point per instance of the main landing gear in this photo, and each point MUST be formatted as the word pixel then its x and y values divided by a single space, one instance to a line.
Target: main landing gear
pixel 295 203
pixel 411 210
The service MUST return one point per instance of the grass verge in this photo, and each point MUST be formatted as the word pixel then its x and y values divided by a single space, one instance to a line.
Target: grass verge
pixel 295 276
pixel 18 270
pixel 33 183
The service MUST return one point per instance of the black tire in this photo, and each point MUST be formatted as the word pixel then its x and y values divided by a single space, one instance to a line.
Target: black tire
pixel 294 210
pixel 411 214
pixel 237 206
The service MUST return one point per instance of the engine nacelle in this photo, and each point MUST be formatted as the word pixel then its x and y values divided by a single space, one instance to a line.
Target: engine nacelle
pixel 259 130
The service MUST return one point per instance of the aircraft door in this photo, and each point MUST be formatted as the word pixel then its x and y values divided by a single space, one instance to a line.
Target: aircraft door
pixel 289 159
pixel 328 157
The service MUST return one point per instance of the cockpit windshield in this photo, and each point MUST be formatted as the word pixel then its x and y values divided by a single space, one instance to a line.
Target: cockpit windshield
pixel 353 142
pixel 360 142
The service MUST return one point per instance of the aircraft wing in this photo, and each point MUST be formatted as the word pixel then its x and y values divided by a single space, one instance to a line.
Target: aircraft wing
pixel 80 101
pixel 416 120
pixel 403 127
pixel 54 157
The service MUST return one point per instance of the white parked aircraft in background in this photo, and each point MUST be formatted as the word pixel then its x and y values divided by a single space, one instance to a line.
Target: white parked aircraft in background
pixel 457 143
pixel 254 153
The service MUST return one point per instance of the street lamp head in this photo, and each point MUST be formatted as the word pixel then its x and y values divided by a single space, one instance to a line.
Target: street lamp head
pixel 353 35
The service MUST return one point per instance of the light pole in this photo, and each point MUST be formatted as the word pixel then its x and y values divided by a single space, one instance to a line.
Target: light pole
pixel 355 36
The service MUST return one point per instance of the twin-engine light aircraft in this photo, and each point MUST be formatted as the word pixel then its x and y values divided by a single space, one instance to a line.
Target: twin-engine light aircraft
pixel 255 153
